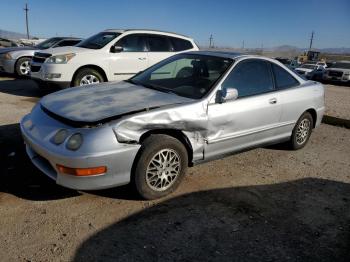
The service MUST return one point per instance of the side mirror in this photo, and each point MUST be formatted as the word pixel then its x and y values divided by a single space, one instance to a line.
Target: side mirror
pixel 116 49
pixel 226 94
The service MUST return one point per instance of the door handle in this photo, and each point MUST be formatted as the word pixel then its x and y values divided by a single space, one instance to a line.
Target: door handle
pixel 142 58
pixel 273 100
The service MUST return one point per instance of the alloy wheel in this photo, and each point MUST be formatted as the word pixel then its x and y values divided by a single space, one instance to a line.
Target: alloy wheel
pixel 88 80
pixel 163 169
pixel 25 68
pixel 303 131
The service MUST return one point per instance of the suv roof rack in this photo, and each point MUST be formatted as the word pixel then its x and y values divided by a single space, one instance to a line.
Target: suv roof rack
pixel 142 29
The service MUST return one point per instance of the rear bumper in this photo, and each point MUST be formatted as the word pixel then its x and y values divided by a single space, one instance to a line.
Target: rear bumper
pixel 7 65
pixel 320 113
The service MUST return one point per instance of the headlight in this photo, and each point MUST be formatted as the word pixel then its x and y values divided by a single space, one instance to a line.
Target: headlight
pixel 7 56
pixel 60 59
pixel 74 142
pixel 60 136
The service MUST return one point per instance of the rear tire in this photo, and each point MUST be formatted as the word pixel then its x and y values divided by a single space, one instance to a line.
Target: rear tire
pixel 87 76
pixel 302 131
pixel 161 166
pixel 23 67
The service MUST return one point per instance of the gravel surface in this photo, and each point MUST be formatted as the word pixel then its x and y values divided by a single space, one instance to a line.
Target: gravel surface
pixel 338 101
pixel 267 204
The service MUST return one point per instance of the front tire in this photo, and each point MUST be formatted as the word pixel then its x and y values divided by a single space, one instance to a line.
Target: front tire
pixel 87 76
pixel 161 166
pixel 302 131
pixel 23 67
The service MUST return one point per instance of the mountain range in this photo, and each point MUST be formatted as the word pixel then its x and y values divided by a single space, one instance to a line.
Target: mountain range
pixel 12 35
pixel 282 48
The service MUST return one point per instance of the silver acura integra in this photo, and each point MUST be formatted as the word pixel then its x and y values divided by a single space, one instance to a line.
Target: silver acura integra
pixel 187 109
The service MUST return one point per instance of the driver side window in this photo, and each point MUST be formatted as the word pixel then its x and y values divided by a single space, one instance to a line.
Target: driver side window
pixel 250 77
pixel 132 43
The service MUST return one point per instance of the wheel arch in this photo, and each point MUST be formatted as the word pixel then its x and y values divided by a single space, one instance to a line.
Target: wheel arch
pixel 175 133
pixel 95 67
pixel 313 113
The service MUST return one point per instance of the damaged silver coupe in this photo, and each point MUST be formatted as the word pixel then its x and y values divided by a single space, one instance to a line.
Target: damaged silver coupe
pixel 187 109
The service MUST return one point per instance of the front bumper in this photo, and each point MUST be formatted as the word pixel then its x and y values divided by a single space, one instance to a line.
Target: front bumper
pixel 46 76
pixel 118 162
pixel 7 65
pixel 344 78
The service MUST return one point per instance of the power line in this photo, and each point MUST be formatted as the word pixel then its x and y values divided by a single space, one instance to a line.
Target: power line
pixel 211 41
pixel 26 10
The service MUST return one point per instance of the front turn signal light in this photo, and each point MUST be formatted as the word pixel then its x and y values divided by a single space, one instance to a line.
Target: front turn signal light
pixel 91 171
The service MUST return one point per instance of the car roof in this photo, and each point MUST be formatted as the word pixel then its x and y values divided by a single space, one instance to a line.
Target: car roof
pixel 67 38
pixel 224 54
pixel 145 31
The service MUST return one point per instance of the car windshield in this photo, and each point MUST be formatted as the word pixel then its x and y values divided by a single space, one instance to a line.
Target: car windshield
pixel 187 75
pixel 309 66
pixel 340 65
pixel 48 43
pixel 99 40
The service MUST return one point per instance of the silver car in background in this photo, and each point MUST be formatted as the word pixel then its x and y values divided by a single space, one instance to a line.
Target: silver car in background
pixel 188 109
pixel 16 60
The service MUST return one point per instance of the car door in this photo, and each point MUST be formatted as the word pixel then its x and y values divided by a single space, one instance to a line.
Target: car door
pixel 159 48
pixel 252 118
pixel 132 59
pixel 294 100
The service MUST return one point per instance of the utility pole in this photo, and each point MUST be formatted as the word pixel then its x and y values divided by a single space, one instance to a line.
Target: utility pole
pixel 26 10
pixel 211 42
pixel 311 39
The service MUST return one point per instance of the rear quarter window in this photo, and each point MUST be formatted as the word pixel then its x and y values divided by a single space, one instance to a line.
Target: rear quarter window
pixel 180 44
pixel 283 79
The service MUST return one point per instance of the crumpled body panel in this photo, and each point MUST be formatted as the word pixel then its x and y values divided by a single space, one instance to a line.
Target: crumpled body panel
pixel 191 119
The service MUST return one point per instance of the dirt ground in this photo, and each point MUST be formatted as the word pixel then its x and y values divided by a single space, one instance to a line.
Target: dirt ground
pixel 267 204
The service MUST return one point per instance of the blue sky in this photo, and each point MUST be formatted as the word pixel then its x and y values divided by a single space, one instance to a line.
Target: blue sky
pixel 257 22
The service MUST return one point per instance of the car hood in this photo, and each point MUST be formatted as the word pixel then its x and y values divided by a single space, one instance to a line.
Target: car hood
pixel 67 49
pixel 18 48
pixel 304 69
pixel 97 103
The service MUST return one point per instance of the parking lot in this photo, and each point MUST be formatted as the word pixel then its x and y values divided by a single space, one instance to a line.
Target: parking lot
pixel 268 204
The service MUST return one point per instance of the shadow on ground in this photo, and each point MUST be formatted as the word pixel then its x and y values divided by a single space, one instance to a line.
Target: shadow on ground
pixel 17 174
pixel 21 87
pixel 304 220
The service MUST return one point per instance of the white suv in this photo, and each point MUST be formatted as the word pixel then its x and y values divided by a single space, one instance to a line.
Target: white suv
pixel 111 55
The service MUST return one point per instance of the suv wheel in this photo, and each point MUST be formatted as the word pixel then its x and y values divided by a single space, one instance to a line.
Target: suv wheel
pixel 161 166
pixel 302 131
pixel 87 76
pixel 23 66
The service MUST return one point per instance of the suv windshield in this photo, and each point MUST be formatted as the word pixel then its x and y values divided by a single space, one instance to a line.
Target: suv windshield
pixel 99 40
pixel 340 65
pixel 188 75
pixel 48 43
